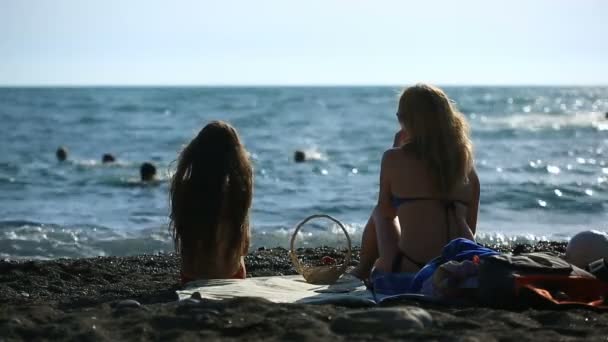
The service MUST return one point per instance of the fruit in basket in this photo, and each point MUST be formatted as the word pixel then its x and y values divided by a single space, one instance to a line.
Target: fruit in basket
pixel 327 260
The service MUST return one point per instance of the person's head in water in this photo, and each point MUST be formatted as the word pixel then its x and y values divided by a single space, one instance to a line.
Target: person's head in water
pixel 438 133
pixel 147 171
pixel 61 153
pixel 299 156
pixel 108 158
pixel 211 194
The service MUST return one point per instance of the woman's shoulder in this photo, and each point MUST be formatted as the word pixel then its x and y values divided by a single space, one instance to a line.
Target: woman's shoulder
pixel 391 155
pixel 402 153
pixel 399 160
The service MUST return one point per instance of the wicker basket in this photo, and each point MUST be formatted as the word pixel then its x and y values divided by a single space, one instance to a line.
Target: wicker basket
pixel 327 274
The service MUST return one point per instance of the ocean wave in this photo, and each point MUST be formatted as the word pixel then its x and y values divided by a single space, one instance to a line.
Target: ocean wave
pixel 9 167
pixel 539 121
pixel 540 154
pixel 561 197
pixel 12 182
pixel 34 240
pixel 131 182
pixel 138 108
pixel 314 153
pixel 114 174
pixel 94 163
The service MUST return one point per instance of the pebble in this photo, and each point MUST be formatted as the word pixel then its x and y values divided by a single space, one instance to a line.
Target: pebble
pixel 127 303
pixel 519 249
pixel 380 320
pixel 186 302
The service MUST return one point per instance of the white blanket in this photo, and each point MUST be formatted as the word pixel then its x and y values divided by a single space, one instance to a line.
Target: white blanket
pixel 283 289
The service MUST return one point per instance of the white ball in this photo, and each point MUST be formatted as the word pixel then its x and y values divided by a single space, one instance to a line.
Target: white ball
pixel 586 247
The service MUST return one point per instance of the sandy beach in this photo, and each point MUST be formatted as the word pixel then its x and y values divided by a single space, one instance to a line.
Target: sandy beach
pixel 133 298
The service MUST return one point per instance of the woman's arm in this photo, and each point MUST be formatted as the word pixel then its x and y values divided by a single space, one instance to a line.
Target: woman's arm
pixel 384 197
pixel 474 206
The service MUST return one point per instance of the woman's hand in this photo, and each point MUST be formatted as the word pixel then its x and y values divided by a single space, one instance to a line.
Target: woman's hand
pixel 400 138
pixel 241 273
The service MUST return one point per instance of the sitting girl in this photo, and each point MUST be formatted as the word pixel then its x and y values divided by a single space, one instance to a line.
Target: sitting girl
pixel 211 194
pixel 429 190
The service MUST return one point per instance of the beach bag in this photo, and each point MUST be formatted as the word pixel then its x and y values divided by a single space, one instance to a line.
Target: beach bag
pixel 454 280
pixel 599 269
pixel 536 280
pixel 556 291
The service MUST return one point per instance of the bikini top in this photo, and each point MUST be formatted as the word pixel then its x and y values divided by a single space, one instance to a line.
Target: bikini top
pixel 398 201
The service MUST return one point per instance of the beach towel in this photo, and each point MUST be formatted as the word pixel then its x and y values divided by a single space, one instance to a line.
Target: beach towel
pixel 457 250
pixel 395 284
pixel 347 291
pixel 283 289
pixel 391 283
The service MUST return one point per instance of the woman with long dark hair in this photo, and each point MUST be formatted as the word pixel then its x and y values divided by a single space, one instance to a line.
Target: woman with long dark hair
pixel 211 193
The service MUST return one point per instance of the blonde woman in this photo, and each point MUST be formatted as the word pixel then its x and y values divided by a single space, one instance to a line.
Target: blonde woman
pixel 429 190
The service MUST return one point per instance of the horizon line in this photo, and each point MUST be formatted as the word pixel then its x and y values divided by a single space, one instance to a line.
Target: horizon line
pixel 303 85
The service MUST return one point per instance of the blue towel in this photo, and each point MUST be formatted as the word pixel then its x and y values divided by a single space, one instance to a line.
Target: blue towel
pixel 391 284
pixel 457 250
pixel 388 283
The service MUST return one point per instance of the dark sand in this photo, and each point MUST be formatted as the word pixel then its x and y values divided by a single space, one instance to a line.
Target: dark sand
pixel 84 300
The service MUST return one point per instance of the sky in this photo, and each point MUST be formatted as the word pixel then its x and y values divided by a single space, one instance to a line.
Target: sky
pixel 313 42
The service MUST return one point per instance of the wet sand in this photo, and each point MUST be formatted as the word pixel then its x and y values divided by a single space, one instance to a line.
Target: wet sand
pixel 133 298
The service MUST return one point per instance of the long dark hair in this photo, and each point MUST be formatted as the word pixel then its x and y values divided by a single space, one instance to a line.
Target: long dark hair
pixel 439 134
pixel 211 193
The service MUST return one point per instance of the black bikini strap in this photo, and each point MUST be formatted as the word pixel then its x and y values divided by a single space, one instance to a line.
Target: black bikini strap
pixel 447 223
pixel 449 205
pixel 396 267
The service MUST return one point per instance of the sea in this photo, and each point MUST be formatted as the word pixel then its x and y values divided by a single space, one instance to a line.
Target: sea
pixel 541 154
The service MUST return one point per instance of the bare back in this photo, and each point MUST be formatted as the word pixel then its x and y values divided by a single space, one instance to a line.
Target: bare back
pixel 224 263
pixel 428 220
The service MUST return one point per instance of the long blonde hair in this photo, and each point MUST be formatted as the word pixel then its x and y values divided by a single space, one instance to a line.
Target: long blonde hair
pixel 438 133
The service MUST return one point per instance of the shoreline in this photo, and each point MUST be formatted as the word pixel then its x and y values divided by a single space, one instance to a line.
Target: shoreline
pixel 93 299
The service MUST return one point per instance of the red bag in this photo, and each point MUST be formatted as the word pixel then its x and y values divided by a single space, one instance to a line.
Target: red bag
pixel 551 290
pixel 537 280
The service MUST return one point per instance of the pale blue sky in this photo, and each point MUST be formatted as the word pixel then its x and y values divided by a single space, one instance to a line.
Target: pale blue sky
pixel 325 42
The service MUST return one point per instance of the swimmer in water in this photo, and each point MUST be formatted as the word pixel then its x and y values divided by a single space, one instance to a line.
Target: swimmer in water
pixel 62 154
pixel 108 158
pixel 299 156
pixel 147 171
